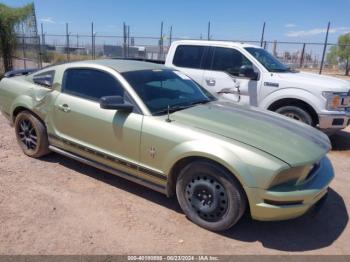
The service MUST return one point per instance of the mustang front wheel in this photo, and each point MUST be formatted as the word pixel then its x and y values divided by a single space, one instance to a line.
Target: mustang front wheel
pixel 210 196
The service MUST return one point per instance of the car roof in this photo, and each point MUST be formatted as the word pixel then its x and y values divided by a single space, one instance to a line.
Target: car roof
pixel 120 65
pixel 215 43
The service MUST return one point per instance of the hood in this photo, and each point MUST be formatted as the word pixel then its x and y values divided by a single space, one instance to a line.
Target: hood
pixel 324 83
pixel 293 142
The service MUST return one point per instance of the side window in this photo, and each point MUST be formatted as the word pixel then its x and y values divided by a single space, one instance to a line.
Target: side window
pixel 91 84
pixel 229 60
pixel 189 56
pixel 44 79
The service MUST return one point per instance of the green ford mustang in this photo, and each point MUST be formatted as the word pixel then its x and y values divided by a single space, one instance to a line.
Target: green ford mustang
pixel 157 127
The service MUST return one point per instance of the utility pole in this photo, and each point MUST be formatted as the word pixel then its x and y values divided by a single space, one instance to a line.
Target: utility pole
pixel 209 30
pixel 324 48
pixel 262 35
pixel 35 27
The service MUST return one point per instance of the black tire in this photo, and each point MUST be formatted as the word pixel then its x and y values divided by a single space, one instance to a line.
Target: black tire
pixel 31 135
pixel 222 202
pixel 296 113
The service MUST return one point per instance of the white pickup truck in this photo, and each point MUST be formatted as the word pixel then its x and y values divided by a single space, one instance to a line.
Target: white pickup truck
pixel 250 75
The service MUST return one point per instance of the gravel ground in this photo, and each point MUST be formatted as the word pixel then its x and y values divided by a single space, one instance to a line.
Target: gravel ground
pixel 58 206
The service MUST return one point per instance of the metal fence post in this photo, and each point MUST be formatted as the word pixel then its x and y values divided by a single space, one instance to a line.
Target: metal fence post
pixel 124 40
pixel 262 35
pixel 274 49
pixel 170 35
pixel 43 47
pixel 302 56
pixel 67 42
pixel 324 48
pixel 40 58
pixel 23 49
pixel 92 40
pixel 209 30
pixel 161 42
pixel 128 37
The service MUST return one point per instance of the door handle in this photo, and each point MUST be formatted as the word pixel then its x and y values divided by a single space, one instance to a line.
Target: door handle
pixel 210 81
pixel 65 108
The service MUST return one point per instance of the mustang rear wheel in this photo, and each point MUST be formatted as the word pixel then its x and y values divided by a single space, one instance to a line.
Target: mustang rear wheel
pixel 31 135
pixel 210 196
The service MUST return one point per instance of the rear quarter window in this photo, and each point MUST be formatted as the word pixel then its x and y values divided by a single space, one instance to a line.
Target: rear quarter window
pixel 44 79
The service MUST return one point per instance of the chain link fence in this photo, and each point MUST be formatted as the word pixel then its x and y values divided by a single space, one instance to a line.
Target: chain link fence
pixel 46 49
pixel 27 53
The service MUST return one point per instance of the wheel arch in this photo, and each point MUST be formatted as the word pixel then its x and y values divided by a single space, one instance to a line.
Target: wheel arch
pixel 20 108
pixel 298 103
pixel 181 163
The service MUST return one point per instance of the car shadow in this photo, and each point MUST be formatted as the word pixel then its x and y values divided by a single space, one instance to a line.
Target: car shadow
pixel 302 234
pixel 114 181
pixel 340 141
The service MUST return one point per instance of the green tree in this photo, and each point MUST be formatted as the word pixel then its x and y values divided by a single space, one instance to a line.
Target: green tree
pixel 9 17
pixel 344 51
pixel 332 56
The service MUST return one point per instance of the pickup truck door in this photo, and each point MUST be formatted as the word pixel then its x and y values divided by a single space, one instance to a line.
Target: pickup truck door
pixel 224 74
pixel 80 126
pixel 188 59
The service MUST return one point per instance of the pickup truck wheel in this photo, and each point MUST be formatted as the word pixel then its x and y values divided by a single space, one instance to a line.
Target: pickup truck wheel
pixel 31 135
pixel 295 113
pixel 210 196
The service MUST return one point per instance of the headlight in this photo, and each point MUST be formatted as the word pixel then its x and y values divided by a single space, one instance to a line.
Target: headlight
pixel 291 175
pixel 336 100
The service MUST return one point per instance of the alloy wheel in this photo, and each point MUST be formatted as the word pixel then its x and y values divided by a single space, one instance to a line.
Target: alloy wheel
pixel 27 134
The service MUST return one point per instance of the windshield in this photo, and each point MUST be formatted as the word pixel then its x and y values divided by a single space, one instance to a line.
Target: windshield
pixel 271 63
pixel 163 89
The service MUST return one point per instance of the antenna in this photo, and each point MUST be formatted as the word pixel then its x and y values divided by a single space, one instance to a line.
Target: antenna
pixel 168 117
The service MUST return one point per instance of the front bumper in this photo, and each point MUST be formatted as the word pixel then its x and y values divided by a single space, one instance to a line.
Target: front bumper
pixel 305 195
pixel 334 120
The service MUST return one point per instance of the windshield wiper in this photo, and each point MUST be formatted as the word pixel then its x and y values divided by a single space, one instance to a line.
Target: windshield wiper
pixel 281 70
pixel 199 102
pixel 170 109
pixel 175 108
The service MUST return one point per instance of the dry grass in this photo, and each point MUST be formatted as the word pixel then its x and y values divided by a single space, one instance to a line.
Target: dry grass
pixel 329 72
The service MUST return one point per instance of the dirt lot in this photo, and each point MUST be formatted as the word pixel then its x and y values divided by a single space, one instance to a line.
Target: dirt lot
pixel 58 206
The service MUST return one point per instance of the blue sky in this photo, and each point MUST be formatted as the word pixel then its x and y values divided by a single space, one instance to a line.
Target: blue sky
pixel 292 20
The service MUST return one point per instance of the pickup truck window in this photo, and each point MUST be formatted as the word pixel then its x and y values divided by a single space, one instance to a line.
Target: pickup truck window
pixel 90 84
pixel 229 60
pixel 45 78
pixel 271 63
pixel 159 89
pixel 189 56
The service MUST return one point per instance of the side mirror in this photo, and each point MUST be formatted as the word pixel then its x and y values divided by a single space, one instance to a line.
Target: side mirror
pixel 115 103
pixel 248 71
